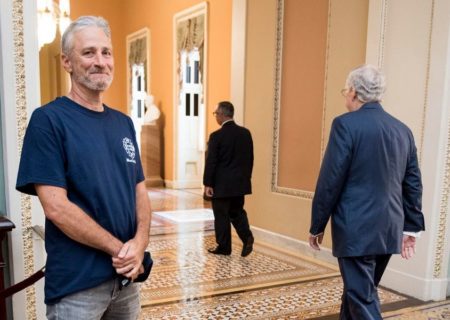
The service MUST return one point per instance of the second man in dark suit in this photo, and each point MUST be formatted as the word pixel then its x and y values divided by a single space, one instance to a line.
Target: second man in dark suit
pixel 227 179
pixel 370 186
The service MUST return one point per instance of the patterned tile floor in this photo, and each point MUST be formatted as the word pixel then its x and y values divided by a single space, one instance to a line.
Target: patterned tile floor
pixel 189 283
pixel 304 300
pixel 431 311
pixel 184 269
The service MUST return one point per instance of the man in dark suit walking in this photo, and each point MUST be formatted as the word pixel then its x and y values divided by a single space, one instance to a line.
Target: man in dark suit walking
pixel 370 185
pixel 227 179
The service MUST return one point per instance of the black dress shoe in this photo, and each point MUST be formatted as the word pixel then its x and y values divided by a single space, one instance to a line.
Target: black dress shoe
pixel 219 251
pixel 248 247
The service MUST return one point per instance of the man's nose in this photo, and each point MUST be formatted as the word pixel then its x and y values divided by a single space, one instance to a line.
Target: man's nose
pixel 100 60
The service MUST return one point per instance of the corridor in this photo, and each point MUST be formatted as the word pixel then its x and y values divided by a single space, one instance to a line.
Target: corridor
pixel 189 283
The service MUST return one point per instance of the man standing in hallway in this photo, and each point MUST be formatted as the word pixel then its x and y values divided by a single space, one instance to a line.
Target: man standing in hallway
pixel 227 179
pixel 81 159
pixel 370 185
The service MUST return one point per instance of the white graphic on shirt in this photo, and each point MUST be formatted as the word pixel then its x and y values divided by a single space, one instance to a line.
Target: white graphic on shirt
pixel 129 149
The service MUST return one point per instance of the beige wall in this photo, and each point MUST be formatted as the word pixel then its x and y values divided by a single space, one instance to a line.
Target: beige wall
pixel 275 211
pixel 302 86
pixel 267 210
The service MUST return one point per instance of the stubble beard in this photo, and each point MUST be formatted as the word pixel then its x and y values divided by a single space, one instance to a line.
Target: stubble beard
pixel 96 85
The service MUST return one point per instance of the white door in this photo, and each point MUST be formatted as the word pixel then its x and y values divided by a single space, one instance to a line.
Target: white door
pixel 138 96
pixel 191 122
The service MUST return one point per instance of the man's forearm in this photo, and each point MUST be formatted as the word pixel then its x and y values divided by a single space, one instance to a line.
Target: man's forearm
pixel 74 222
pixel 143 215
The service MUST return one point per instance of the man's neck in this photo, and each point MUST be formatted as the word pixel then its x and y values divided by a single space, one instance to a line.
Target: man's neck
pixel 226 121
pixel 89 99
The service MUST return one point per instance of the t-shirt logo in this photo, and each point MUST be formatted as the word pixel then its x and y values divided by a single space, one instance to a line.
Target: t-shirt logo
pixel 129 149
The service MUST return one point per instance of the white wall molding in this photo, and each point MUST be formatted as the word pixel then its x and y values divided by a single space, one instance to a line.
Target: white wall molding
pixel 423 288
pixel 19 91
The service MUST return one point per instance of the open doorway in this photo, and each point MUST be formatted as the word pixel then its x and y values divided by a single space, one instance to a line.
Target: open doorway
pixel 190 96
pixel 138 77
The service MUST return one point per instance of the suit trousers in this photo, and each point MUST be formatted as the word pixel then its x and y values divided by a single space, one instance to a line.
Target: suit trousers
pixel 361 276
pixel 229 211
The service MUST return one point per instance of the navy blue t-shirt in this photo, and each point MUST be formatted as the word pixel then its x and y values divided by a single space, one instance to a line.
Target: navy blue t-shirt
pixel 94 156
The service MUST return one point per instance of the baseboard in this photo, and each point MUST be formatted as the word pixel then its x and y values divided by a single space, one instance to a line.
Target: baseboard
pixel 183 184
pixel 293 245
pixel 417 287
pixel 448 287
pixel 154 181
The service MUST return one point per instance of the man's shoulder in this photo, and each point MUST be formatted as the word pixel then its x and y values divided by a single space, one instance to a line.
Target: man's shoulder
pixel 232 125
pixel 116 112
pixel 357 120
pixel 51 106
pixel 47 111
pixel 397 122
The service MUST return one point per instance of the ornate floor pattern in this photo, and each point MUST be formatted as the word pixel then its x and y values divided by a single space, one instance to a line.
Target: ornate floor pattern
pixel 184 270
pixel 433 311
pixel 305 300
pixel 189 283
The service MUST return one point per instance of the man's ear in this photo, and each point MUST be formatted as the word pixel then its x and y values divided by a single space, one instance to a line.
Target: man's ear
pixel 65 61
pixel 352 93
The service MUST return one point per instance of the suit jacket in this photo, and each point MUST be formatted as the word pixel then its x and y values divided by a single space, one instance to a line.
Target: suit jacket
pixel 369 183
pixel 229 161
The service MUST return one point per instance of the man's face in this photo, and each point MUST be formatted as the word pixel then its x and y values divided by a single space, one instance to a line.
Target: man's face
pixel 90 62
pixel 219 116
pixel 349 95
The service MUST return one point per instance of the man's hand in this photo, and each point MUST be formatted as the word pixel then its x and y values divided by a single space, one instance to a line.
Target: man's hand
pixel 209 191
pixel 408 246
pixel 129 260
pixel 314 241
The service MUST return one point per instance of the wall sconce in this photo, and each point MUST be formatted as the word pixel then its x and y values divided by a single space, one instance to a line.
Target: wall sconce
pixel 49 16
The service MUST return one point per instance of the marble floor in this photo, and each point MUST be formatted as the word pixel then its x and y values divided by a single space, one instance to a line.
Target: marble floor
pixel 189 283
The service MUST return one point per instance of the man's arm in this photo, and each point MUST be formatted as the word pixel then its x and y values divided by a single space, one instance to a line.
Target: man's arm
pixel 315 241
pixel 412 194
pixel 74 222
pixel 412 204
pixel 212 159
pixel 129 259
pixel 209 191
pixel 408 246
pixel 332 176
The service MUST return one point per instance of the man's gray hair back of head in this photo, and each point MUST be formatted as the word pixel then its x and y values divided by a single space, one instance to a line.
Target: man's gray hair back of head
pixel 368 82
pixel 77 25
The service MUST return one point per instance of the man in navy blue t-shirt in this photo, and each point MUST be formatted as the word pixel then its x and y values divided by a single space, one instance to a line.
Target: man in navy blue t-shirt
pixel 81 159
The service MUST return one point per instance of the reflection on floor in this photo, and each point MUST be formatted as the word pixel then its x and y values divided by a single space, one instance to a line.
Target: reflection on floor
pixel 189 283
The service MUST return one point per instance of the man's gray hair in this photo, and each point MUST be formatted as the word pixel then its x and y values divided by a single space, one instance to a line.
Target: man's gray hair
pixel 77 25
pixel 227 108
pixel 368 82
